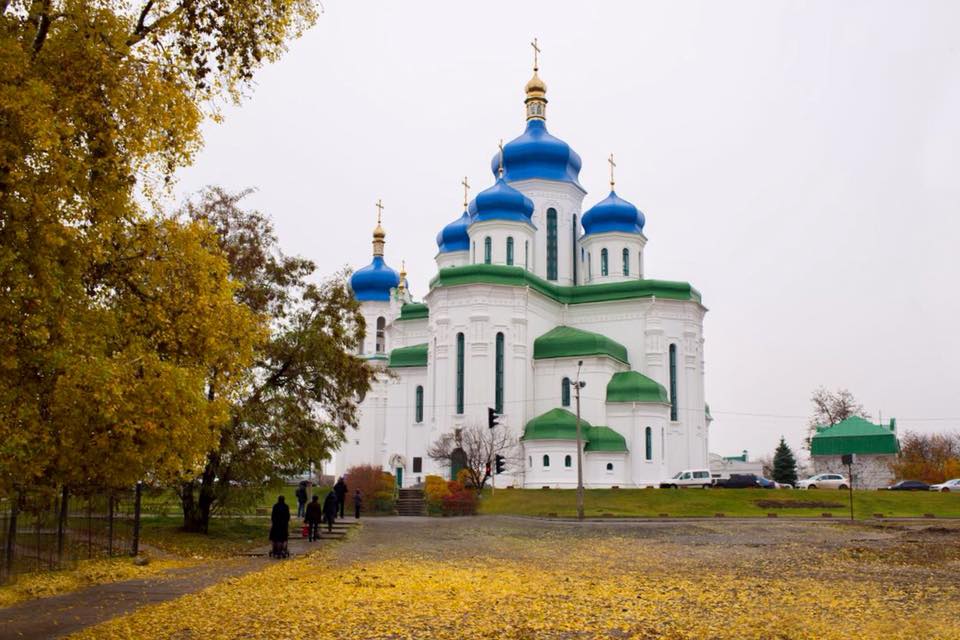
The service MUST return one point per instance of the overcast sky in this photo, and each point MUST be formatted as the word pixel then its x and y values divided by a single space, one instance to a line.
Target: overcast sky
pixel 797 162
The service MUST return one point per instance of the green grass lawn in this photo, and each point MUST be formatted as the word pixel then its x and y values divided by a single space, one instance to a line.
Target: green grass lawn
pixel 227 536
pixel 708 502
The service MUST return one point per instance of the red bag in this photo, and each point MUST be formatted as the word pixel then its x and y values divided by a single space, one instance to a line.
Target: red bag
pixel 305 531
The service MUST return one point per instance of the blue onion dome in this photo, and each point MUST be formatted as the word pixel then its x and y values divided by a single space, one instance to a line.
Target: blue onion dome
pixel 501 202
pixel 613 213
pixel 537 154
pixel 453 237
pixel 374 281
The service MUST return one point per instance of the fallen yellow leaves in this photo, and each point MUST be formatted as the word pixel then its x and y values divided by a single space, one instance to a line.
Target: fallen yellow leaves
pixel 555 589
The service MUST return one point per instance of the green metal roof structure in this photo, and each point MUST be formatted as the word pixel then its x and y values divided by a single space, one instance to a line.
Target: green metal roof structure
pixel 499 274
pixel 855 435
pixel 413 356
pixel 560 424
pixel 605 439
pixel 567 342
pixel 414 311
pixel 631 386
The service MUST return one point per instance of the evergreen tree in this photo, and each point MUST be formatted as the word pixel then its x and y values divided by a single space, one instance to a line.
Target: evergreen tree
pixel 784 464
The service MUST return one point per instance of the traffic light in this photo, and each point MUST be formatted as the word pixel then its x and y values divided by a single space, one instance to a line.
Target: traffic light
pixel 500 463
pixel 492 418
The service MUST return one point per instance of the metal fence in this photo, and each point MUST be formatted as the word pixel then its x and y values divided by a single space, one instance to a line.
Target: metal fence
pixel 46 529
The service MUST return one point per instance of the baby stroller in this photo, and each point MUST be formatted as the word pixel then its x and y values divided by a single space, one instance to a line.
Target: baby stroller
pixel 279 549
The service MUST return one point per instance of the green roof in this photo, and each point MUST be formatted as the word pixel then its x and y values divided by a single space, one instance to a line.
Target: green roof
pixel 556 424
pixel 567 342
pixel 854 435
pixel 631 386
pixel 565 294
pixel 413 356
pixel 414 311
pixel 560 424
pixel 604 439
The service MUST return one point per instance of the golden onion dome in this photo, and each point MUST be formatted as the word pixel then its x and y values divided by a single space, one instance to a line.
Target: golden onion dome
pixel 536 88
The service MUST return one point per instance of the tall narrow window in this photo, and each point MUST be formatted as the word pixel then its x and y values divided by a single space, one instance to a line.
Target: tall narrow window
pixel 673 382
pixel 589 267
pixel 626 261
pixel 381 334
pixel 498 381
pixel 565 393
pixel 567 461
pixel 510 250
pixel 573 248
pixel 459 373
pixel 526 254
pixel 419 405
pixel 546 460
pixel 473 252
pixel 648 443
pixel 487 250
pixel 604 262
pixel 551 244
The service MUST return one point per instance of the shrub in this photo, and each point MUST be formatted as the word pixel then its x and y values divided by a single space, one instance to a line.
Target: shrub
pixel 460 503
pixel 434 490
pixel 377 487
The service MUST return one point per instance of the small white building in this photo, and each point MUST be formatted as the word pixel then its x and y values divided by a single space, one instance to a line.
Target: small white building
pixel 725 466
pixel 528 286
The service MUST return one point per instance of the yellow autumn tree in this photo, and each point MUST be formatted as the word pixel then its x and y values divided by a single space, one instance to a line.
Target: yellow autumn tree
pixel 112 319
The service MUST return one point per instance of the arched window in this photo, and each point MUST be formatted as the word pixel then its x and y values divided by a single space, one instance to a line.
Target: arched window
pixel 530 460
pixel 568 461
pixel 510 250
pixel 648 443
pixel 609 466
pixel 673 382
pixel 626 261
pixel 381 334
pixel 546 460
pixel 419 405
pixel 487 250
pixel 603 262
pixel 551 244
pixel 498 379
pixel 565 392
pixel 460 373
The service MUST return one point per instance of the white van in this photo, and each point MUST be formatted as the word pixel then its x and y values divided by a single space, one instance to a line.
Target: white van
pixel 689 478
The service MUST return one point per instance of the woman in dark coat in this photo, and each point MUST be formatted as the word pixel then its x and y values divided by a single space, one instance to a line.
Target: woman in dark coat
pixel 330 509
pixel 279 524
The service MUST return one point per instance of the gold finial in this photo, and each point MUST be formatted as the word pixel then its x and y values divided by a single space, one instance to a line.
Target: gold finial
pixel 403 276
pixel 466 191
pixel 536 89
pixel 612 166
pixel 378 233
pixel 500 170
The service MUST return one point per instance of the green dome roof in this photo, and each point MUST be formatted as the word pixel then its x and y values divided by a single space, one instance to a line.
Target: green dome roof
pixel 631 386
pixel 556 424
pixel 604 439
pixel 413 356
pixel 567 342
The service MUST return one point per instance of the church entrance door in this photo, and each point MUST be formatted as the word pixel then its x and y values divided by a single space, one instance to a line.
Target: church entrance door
pixel 400 477
pixel 458 460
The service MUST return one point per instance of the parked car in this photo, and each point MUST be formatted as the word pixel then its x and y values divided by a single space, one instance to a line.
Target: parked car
pixel 909 485
pixel 767 483
pixel 948 486
pixel 741 481
pixel 689 478
pixel 824 481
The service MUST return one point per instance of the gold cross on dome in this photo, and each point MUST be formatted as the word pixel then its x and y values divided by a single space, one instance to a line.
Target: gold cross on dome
pixel 500 171
pixel 379 209
pixel 466 191
pixel 612 166
pixel 536 50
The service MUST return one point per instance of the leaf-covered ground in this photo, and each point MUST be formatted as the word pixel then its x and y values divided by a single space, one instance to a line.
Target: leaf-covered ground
pixel 515 578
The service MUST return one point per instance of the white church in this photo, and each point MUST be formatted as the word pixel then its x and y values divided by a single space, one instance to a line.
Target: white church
pixel 528 286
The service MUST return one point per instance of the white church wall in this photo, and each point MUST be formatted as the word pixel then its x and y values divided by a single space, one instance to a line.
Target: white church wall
pixel 452 259
pixel 614 243
pixel 596 373
pixel 557 474
pixel 567 199
pixel 604 469
pixel 499 231
pixel 631 421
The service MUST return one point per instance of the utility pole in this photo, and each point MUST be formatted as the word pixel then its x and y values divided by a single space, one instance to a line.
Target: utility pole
pixel 577 386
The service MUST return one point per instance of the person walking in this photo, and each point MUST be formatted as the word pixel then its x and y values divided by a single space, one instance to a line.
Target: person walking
pixel 330 510
pixel 301 494
pixel 313 515
pixel 341 490
pixel 357 501
pixel 280 527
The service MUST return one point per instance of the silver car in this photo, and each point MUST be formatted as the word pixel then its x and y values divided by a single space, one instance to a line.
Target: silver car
pixel 950 486
pixel 824 481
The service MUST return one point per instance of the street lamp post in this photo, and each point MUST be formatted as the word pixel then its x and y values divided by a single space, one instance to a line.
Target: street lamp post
pixel 577 386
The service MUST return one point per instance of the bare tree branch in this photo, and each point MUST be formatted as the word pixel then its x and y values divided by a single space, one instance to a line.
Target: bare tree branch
pixel 161 23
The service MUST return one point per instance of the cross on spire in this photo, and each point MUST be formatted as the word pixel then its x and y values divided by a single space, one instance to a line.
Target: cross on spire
pixel 612 166
pixel 379 209
pixel 466 191
pixel 536 50
pixel 500 170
